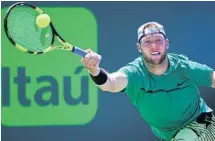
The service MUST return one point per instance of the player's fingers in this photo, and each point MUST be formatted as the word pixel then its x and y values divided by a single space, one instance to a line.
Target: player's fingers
pixel 91 56
pixel 91 60
pixel 96 61
pixel 87 57
pixel 87 60
pixel 88 50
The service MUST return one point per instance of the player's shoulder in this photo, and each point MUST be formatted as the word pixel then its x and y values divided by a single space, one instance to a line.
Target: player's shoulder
pixel 133 66
pixel 179 60
pixel 136 63
pixel 180 57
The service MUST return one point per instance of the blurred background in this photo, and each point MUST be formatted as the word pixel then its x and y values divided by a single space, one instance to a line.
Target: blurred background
pixel 190 29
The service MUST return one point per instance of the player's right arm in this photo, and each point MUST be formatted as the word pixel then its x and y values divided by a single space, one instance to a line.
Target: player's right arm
pixel 112 82
pixel 115 82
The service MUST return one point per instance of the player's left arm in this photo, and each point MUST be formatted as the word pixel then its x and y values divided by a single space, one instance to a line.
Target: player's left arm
pixel 213 79
pixel 202 74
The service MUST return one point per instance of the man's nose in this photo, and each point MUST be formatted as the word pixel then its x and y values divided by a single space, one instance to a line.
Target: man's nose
pixel 154 45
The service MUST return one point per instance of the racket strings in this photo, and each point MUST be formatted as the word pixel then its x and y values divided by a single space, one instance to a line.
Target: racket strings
pixel 23 29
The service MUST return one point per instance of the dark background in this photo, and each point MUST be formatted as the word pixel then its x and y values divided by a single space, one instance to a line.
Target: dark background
pixel 190 27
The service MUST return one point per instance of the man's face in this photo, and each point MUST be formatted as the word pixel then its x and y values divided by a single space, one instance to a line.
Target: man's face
pixel 153 48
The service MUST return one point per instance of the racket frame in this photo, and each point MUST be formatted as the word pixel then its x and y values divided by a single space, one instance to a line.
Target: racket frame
pixel 65 45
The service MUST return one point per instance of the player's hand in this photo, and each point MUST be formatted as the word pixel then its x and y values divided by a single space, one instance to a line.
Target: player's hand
pixel 91 61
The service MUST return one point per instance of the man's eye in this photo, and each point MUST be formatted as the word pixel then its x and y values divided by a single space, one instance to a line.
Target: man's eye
pixel 158 40
pixel 147 42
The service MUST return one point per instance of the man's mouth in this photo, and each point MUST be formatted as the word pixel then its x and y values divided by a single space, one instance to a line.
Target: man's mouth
pixel 155 53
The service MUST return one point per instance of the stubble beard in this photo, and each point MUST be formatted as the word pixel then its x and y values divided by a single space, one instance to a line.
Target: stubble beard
pixel 149 59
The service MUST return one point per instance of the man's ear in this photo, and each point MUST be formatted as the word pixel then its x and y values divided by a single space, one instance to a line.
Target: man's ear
pixel 139 47
pixel 167 44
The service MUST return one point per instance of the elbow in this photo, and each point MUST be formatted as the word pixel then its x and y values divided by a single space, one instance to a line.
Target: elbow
pixel 114 91
pixel 110 86
pixel 111 89
pixel 115 83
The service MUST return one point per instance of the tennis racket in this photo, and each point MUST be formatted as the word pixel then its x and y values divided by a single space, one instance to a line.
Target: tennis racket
pixel 23 32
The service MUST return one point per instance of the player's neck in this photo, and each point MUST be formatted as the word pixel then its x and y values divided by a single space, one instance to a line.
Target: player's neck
pixel 158 69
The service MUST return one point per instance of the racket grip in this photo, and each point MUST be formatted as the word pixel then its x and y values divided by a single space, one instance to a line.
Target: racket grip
pixel 79 51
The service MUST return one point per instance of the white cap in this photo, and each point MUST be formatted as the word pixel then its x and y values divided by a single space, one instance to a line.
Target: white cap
pixel 149 28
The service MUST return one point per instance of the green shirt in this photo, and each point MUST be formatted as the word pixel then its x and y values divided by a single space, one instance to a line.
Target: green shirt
pixel 169 101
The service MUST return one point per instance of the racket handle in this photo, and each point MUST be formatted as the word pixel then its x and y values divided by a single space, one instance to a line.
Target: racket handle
pixel 79 51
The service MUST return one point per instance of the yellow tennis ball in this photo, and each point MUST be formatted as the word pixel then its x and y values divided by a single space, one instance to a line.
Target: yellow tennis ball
pixel 43 20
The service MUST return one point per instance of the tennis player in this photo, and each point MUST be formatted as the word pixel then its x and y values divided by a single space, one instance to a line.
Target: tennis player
pixel 162 86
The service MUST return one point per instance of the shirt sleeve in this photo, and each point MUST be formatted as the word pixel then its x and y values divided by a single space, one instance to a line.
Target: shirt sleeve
pixel 200 73
pixel 130 71
pixel 134 80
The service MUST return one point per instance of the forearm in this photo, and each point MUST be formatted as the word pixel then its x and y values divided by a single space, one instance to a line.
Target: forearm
pixel 109 85
pixel 112 82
